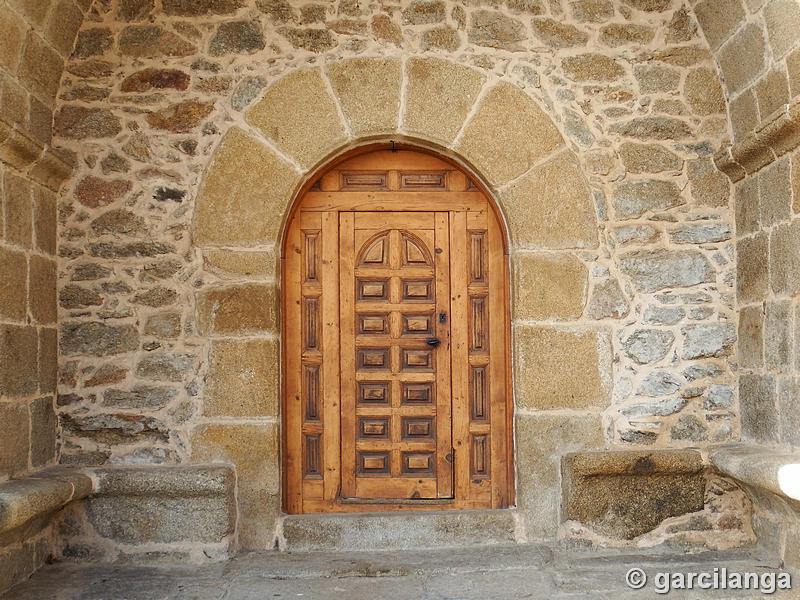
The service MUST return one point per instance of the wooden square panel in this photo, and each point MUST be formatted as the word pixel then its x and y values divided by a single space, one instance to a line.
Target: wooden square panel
pixel 373 428
pixel 373 392
pixel 372 358
pixel 418 428
pixel 373 463
pixel 417 290
pixel 375 290
pixel 418 325
pixel 417 393
pixel 418 463
pixel 413 360
pixel 373 324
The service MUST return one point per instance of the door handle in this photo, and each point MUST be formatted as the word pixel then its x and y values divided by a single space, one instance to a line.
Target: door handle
pixel 433 342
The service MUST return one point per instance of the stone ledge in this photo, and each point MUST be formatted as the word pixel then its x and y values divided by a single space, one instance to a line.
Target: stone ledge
pixel 625 494
pixel 774 470
pixel 30 498
pixel 778 134
pixel 173 481
pixel 41 163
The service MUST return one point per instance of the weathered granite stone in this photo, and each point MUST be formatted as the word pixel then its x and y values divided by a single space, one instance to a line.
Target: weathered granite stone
pixel 778 336
pixel 562 368
pixel 653 128
pixel 742 58
pixel 281 11
pixel 423 12
pixel 653 408
pixel 662 315
pixel 151 41
pixel 709 186
pixel 163 325
pixel 164 504
pixel 299 114
pixel 369 92
pixel 592 67
pixel 751 337
pixel 78 122
pixel 97 339
pixel 648 158
pixel 649 345
pixel 249 89
pixel 649 5
pixel 92 42
pixel 549 286
pixel 75 296
pixel 196 8
pixel 237 37
pixel 439 95
pixel 719 396
pixel 147 79
pixel 493 29
pixel 40 66
pixel 42 278
pixel 181 117
pixel 618 34
pixel 607 301
pixel 242 174
pixel 782 18
pixel 557 34
pixel 704 92
pixel 312 39
pixel 13 284
pixel 689 428
pixel 556 188
pixel 659 383
pixel 135 10
pixel 91 69
pixel 105 375
pixel 239 309
pixel 752 272
pixel 701 371
pixel 141 397
pixel 703 233
pixel 14 427
pixel 784 259
pixel 140 249
pixel 441 38
pixel 705 340
pixel 654 270
pixel 627 494
pixel 509 134
pixel 775 193
pixel 758 408
pixel 682 27
pixel 118 222
pixel 789 410
pixel 593 11
pixel 632 199
pixel 254 451
pixel 166 367
pixel 385 29
pixel 156 297
pixel 243 380
pixel 719 19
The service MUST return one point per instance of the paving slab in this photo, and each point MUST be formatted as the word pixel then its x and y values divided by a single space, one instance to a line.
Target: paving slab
pixel 495 572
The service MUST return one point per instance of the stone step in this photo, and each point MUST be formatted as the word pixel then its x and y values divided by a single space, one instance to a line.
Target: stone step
pixel 397 531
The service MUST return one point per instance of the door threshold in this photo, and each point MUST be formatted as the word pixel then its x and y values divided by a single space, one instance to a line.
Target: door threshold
pixel 410 501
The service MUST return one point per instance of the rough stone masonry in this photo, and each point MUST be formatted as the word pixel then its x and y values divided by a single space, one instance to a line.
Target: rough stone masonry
pixel 624 334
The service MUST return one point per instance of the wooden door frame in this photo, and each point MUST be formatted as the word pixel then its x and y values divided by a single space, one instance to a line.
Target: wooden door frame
pixel 508 499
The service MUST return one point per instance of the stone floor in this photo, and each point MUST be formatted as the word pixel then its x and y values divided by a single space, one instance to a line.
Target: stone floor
pixel 484 573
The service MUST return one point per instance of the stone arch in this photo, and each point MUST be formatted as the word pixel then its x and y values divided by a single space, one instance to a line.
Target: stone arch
pixel 497 132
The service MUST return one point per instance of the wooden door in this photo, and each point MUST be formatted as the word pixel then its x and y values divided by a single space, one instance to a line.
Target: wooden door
pixel 395 355
pixel 396 387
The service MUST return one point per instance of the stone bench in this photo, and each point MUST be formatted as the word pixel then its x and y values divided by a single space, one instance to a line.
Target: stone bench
pixel 28 506
pixel 771 478
pixel 128 514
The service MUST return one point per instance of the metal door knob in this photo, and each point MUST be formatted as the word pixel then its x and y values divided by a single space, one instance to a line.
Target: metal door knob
pixel 433 342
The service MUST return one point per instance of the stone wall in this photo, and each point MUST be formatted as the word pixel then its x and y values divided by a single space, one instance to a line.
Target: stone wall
pixel 756 45
pixel 169 337
pixel 35 40
pixel 36 37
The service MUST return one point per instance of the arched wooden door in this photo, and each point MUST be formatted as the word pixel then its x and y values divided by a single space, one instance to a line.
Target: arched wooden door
pixel 395 341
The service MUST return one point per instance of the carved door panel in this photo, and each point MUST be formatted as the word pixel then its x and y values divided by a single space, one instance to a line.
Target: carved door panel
pixel 386 254
pixel 395 355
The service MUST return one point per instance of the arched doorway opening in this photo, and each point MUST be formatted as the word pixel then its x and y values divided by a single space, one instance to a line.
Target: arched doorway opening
pixel 396 339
